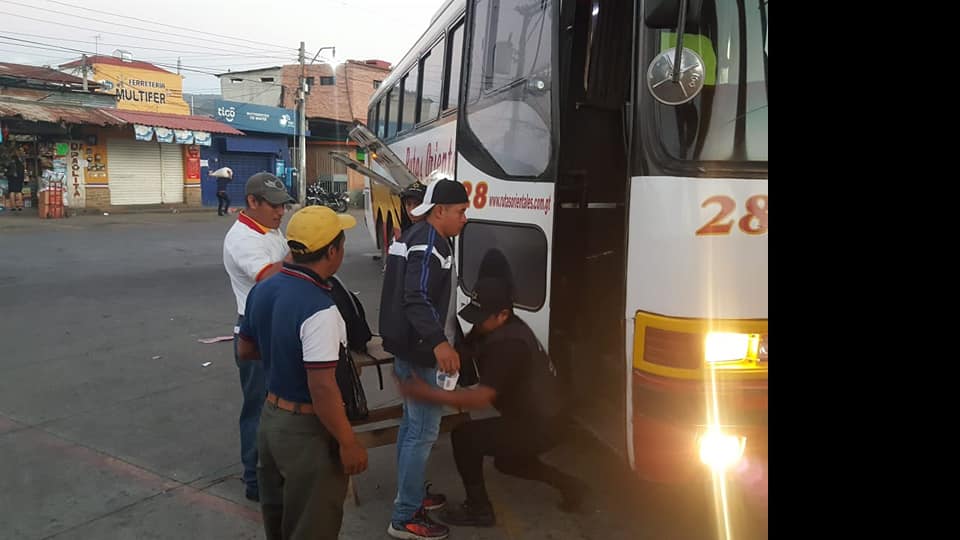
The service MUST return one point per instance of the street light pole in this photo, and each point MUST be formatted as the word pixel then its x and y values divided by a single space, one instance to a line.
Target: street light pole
pixel 302 127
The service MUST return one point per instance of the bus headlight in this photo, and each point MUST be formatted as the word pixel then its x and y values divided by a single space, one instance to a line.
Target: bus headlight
pixel 733 347
pixel 721 450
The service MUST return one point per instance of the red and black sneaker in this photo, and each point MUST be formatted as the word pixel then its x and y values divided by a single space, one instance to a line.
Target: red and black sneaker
pixel 421 527
pixel 433 501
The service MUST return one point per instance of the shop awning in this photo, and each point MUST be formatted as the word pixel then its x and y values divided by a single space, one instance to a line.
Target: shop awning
pixel 55 114
pixel 175 121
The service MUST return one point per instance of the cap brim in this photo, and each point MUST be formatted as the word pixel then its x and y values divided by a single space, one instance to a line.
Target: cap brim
pixel 277 197
pixel 422 209
pixel 347 221
pixel 472 314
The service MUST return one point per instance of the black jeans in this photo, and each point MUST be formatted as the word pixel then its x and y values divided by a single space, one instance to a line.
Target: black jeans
pixel 223 203
pixel 515 446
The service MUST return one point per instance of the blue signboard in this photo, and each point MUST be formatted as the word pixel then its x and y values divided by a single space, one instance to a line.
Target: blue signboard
pixel 250 117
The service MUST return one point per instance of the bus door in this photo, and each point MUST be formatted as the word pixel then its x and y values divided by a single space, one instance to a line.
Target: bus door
pixel 506 151
pixel 589 259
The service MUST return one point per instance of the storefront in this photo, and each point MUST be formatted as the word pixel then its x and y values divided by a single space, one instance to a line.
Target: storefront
pixel 157 159
pixel 51 142
pixel 266 147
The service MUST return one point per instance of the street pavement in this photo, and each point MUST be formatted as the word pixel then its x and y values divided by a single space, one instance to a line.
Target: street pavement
pixel 117 423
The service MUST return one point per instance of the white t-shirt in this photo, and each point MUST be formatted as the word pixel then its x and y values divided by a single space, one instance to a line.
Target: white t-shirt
pixel 248 250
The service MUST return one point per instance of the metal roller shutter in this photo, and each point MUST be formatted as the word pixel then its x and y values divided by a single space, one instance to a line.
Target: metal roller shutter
pixel 244 166
pixel 134 171
pixel 172 186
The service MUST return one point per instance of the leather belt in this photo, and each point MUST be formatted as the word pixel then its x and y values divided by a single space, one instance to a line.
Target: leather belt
pixel 292 406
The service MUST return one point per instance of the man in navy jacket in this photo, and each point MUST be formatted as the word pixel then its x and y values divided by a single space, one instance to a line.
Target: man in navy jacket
pixel 414 311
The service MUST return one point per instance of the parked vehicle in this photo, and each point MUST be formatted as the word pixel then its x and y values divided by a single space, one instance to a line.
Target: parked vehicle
pixel 316 194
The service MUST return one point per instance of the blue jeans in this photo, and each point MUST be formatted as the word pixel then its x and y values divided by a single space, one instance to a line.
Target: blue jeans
pixel 419 428
pixel 254 385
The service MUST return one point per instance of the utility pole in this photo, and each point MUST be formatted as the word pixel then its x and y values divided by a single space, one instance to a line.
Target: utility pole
pixel 302 127
pixel 83 71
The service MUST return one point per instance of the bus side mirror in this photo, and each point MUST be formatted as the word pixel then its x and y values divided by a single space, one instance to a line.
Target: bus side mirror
pixel 664 14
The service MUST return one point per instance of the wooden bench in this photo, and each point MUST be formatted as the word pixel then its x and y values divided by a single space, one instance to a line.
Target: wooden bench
pixel 380 428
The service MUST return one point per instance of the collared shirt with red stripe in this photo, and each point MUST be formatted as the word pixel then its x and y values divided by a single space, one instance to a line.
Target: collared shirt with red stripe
pixel 249 249
pixel 296 326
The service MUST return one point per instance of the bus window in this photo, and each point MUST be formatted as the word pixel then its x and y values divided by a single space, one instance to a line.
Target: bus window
pixel 409 108
pixel 510 85
pixel 455 53
pixel 516 253
pixel 432 83
pixel 373 117
pixel 393 97
pixel 727 121
pixel 382 118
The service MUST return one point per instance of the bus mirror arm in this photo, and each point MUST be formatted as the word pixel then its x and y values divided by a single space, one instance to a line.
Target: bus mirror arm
pixel 677 75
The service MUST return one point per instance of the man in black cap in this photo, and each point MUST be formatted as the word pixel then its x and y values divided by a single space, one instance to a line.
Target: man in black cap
pixel 253 250
pixel 410 198
pixel 518 378
pixel 414 309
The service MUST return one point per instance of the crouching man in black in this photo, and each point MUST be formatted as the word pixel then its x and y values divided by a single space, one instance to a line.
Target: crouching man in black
pixel 517 377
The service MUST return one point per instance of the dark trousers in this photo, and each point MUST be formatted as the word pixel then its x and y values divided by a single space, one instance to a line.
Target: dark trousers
pixel 302 483
pixel 254 386
pixel 515 446
pixel 223 203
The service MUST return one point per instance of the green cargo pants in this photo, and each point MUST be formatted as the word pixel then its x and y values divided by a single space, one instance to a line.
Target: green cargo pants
pixel 302 483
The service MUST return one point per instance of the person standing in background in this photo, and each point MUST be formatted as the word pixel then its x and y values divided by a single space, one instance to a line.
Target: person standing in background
pixel 223 175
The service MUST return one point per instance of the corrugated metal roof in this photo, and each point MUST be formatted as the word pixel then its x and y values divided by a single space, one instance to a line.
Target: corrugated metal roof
pixel 114 61
pixel 175 121
pixel 37 73
pixel 42 112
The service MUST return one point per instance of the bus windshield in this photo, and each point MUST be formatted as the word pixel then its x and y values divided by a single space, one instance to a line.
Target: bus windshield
pixel 727 121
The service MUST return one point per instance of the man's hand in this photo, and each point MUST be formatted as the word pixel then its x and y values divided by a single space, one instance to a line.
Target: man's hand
pixel 448 361
pixel 354 458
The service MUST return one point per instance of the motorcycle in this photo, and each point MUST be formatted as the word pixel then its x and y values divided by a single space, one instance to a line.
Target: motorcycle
pixel 316 195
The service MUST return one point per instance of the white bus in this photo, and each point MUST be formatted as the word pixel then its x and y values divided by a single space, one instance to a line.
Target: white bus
pixel 627 206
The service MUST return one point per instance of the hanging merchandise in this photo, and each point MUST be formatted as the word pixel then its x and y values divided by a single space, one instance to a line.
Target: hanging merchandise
pixel 143 133
pixel 164 135
pixel 183 136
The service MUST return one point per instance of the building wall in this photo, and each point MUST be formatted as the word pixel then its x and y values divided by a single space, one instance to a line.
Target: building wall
pixel 151 90
pixel 191 195
pixel 249 89
pixel 344 101
pixel 98 198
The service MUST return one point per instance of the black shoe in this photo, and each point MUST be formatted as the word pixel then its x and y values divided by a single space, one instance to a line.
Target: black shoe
pixel 470 514
pixel 253 495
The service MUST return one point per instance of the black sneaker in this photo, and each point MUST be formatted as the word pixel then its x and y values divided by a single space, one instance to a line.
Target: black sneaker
pixel 470 514
pixel 252 495
pixel 433 501
pixel 421 527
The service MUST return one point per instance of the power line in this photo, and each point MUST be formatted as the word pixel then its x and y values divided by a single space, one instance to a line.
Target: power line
pixel 178 52
pixel 194 69
pixel 172 26
pixel 53 47
pixel 72 16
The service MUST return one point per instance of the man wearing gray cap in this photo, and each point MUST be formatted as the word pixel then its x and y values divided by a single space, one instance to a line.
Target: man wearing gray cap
pixel 253 250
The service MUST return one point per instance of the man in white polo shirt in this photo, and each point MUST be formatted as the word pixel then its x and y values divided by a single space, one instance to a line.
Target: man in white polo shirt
pixel 253 250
